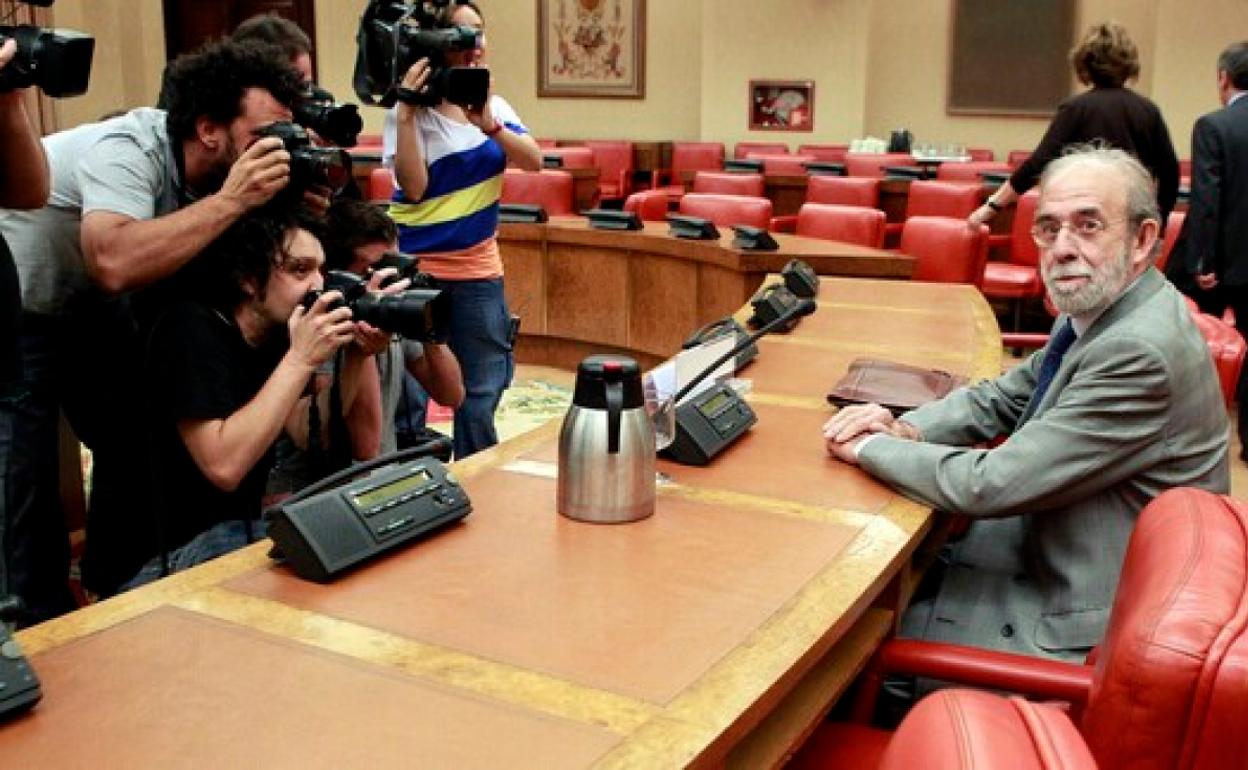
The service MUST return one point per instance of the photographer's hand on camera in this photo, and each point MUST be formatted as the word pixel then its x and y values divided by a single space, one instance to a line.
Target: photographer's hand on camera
pixel 368 338
pixel 259 173
pixel 318 332
pixel 24 182
pixel 410 171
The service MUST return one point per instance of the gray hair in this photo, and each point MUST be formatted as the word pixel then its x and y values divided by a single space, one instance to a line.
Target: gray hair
pixel 1141 190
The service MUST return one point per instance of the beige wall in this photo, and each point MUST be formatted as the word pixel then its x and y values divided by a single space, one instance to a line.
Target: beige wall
pixel 877 65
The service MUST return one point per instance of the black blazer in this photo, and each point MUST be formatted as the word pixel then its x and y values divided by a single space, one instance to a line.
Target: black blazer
pixel 1121 118
pixel 1215 233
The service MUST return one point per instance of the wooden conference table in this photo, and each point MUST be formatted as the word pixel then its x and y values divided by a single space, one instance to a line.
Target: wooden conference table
pixel 713 634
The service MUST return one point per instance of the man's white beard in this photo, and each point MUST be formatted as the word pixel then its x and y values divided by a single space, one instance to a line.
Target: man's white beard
pixel 1105 285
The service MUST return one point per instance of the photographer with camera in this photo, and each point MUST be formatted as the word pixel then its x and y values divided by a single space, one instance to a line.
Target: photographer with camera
pixel 133 200
pixel 228 372
pixel 448 162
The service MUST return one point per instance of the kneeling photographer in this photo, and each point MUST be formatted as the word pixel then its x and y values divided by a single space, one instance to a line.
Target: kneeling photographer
pixel 360 240
pixel 228 372
pixel 448 141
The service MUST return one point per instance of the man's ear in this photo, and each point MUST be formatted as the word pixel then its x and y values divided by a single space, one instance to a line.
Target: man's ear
pixel 210 133
pixel 250 288
pixel 1146 240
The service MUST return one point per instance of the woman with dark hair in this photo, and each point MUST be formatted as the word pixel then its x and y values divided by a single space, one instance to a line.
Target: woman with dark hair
pixel 1109 112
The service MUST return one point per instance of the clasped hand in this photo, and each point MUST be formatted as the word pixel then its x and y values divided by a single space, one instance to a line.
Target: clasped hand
pixel 850 425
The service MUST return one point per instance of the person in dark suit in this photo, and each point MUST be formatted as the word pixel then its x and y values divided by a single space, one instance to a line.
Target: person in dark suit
pixel 1108 112
pixel 1120 405
pixel 1210 261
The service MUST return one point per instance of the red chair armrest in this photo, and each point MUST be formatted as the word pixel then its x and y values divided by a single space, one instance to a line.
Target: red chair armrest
pixel 785 223
pixel 974 667
pixel 1028 340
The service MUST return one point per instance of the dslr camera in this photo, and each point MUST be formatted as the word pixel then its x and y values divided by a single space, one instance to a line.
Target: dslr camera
pixel 415 314
pixel 58 61
pixel 336 123
pixel 395 35
pixel 309 165
pixel 408 266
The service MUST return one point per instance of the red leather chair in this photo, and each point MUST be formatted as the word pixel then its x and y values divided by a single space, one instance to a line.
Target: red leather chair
pixel 546 144
pixel 828 153
pixel 1016 157
pixel 840 190
pixel 946 250
pixel 937 199
pixel 727 210
pixel 1168 687
pixel 368 142
pixel 1174 225
pixel 850 224
pixel 729 183
pixel 614 159
pixel 573 157
pixel 1226 347
pixel 380 185
pixel 872 164
pixel 782 165
pixel 1018 278
pixel 743 149
pixel 650 205
pixel 981 154
pixel 689 158
pixel 549 188
pixel 969 171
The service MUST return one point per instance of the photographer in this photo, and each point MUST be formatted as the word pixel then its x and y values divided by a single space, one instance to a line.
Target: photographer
pixel 132 200
pixel 23 185
pixel 448 163
pixel 228 371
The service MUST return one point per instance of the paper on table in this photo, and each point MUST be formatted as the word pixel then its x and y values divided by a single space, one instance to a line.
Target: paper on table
pixel 690 363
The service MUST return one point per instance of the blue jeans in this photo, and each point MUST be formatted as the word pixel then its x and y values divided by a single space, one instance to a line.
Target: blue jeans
pixel 226 537
pixel 480 324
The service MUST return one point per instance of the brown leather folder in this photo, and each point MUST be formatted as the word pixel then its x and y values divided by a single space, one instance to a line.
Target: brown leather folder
pixel 898 387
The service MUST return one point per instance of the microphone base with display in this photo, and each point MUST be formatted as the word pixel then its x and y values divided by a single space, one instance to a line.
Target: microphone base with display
pixel 709 423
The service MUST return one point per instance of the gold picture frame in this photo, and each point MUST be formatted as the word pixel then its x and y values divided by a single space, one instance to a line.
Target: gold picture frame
pixel 591 48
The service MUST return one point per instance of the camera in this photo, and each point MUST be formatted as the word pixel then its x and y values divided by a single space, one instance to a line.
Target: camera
pixel 58 61
pixel 326 166
pixel 336 123
pixel 408 266
pixel 395 35
pixel 416 314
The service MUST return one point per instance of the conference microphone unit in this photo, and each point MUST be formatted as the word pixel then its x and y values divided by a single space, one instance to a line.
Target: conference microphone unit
pixel 710 421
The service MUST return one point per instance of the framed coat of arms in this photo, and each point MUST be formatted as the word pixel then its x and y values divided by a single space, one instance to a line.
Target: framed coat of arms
pixel 591 48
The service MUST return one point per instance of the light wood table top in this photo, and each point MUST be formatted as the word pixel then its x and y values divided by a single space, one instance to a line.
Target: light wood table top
pixel 715 633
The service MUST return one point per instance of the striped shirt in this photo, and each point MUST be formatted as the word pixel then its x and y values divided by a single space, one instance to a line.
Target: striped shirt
pixel 452 225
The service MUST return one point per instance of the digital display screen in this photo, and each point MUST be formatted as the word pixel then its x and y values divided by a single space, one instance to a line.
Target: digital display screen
pixel 381 494
pixel 709 408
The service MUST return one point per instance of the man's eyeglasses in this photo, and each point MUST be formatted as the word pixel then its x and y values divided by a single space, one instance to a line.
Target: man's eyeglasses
pixel 1085 227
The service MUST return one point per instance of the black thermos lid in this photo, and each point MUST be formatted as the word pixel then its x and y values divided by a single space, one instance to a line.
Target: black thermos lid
pixel 596 371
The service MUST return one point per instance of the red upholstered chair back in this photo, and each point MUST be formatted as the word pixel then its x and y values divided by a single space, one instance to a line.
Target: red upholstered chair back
pixel 697 156
pixel 872 164
pixel 614 159
pixel 573 157
pixel 1185 168
pixel 1226 347
pixel 1174 225
pixel 1016 157
pixel 727 210
pixel 946 250
pixel 782 165
pixel 743 149
pixel 1023 249
pixel 851 224
pixel 546 144
pixel 969 171
pixel 380 184
pixel 829 153
pixel 650 205
pixel 549 188
pixel 942 199
pixel 1170 687
pixel 729 183
pixel 367 142
pixel 844 190
pixel 981 153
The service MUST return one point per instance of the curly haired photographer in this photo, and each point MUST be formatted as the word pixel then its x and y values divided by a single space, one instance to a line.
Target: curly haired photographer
pixel 448 162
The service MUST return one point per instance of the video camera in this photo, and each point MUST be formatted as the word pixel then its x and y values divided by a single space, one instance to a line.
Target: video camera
pixel 337 123
pixel 325 166
pixel 415 314
pixel 58 61
pixel 395 35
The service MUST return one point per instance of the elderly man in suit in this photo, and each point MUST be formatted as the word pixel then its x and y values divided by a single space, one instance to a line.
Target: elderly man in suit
pixel 1211 257
pixel 1121 404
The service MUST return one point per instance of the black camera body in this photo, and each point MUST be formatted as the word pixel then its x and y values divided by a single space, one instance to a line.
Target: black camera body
pixel 309 165
pixel 408 266
pixel 395 35
pixel 337 123
pixel 415 314
pixel 58 61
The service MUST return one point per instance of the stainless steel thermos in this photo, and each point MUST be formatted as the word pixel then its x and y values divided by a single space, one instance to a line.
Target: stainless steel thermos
pixel 606 445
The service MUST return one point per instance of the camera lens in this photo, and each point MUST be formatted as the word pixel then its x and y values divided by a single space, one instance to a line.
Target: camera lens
pixel 417 314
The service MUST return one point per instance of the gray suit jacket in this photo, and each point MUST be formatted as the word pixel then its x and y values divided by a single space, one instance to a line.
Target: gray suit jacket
pixel 1134 410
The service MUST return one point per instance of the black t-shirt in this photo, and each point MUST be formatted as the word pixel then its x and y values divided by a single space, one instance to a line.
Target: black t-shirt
pixel 10 316
pixel 203 369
